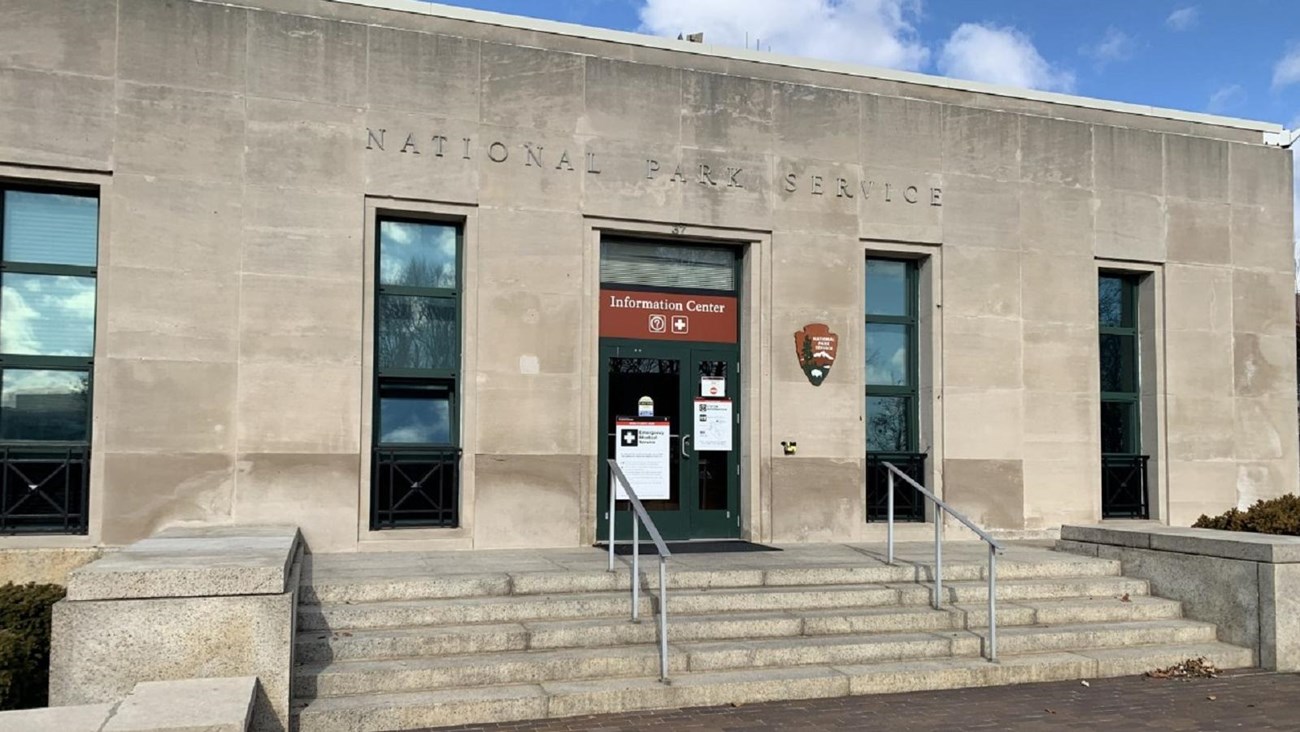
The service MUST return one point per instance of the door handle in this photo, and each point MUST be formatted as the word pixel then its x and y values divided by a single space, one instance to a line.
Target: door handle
pixel 685 439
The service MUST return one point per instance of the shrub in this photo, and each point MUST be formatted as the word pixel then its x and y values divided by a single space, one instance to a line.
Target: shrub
pixel 1279 515
pixel 25 644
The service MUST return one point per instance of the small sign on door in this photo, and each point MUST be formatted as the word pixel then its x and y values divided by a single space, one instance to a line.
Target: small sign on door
pixel 713 424
pixel 645 407
pixel 714 387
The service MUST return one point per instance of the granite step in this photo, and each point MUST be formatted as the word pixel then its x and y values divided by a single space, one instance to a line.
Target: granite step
pixel 317 646
pixel 488 669
pixel 510 608
pixel 505 703
pixel 367 585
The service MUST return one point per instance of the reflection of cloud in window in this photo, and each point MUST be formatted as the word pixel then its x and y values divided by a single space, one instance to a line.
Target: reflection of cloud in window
pixel 417 254
pixel 47 315
pixel 23 382
pixel 405 421
pixel 18 320
pixel 410 433
pixel 887 373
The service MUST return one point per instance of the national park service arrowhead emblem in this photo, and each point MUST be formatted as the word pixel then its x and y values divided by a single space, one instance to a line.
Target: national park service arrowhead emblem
pixel 816 347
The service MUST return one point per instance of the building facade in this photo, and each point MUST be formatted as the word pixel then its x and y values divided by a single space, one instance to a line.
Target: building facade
pixel 407 276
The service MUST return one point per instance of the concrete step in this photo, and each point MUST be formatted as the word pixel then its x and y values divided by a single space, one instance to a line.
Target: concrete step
pixel 319 646
pixel 357 586
pixel 414 710
pixel 487 669
pixel 513 608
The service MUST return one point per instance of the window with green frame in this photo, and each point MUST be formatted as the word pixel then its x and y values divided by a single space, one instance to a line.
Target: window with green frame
pixel 891 369
pixel 415 474
pixel 1120 389
pixel 891 317
pixel 1123 468
pixel 49 244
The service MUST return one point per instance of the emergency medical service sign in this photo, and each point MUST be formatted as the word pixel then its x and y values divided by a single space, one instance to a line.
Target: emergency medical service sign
pixel 642 453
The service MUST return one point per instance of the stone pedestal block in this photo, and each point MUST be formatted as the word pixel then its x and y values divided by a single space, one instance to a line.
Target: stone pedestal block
pixel 197 603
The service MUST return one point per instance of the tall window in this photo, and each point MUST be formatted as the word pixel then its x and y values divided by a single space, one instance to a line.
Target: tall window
pixel 416 461
pixel 49 245
pixel 1124 491
pixel 891 386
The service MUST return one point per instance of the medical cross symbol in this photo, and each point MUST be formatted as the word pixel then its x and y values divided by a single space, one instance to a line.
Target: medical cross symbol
pixel 630 438
pixel 681 324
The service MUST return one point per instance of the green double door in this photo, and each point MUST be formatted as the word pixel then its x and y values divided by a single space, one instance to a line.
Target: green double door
pixel 661 381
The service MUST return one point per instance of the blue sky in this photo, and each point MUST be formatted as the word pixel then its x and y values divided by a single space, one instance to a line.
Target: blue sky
pixel 1210 56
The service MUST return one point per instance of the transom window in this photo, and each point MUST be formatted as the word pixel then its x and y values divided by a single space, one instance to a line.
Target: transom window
pixel 49 244
pixel 415 480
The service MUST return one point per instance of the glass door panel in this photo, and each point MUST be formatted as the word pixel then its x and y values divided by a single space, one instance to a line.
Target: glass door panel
pixel 632 381
pixel 714 384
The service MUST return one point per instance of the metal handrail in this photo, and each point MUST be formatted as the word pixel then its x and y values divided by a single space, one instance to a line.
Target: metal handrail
pixel 639 512
pixel 994 549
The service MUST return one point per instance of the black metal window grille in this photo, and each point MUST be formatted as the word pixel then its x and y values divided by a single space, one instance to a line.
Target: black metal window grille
pixel 415 459
pixel 49 240
pixel 891 404
pixel 908 503
pixel 1124 486
pixel 416 486
pixel 1124 467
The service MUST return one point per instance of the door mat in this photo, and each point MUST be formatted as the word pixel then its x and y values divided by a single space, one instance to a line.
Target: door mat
pixel 692 547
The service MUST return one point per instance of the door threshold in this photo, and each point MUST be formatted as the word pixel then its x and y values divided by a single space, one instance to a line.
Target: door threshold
pixel 692 546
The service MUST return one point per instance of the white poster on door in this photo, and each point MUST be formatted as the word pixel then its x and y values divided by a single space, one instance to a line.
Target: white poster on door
pixel 713 386
pixel 713 425
pixel 642 454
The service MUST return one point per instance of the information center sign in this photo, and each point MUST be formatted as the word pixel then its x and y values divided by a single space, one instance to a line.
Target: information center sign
pixel 642 454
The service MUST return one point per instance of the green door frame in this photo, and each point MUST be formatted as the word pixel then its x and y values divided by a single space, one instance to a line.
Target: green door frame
pixel 689 521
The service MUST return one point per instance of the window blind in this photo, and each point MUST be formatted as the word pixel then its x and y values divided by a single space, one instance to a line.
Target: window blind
pixel 660 265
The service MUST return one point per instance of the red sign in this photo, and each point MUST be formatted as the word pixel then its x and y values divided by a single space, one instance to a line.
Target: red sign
pixel 663 316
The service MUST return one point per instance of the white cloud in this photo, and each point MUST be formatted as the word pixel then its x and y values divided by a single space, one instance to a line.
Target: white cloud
pixel 1183 18
pixel 1116 45
pixel 873 32
pixel 1000 56
pixel 1226 98
pixel 1287 70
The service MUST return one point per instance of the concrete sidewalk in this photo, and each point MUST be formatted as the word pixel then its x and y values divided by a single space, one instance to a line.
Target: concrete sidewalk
pixel 1248 700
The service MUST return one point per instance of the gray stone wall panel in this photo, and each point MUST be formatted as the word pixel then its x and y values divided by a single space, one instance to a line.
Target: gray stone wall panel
pixel 67 36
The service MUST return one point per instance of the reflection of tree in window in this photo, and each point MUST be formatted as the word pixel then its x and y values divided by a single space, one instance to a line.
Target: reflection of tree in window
pixel 887 424
pixel 416 332
pixel 643 366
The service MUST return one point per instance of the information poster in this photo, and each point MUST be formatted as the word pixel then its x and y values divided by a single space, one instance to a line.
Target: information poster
pixel 642 454
pixel 713 425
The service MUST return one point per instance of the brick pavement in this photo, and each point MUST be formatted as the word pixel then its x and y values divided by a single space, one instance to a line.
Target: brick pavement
pixel 1250 700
